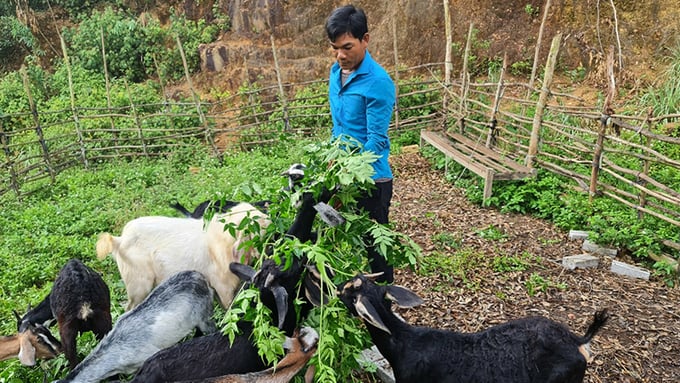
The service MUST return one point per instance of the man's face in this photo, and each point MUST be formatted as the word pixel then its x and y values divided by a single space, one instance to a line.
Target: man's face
pixel 349 51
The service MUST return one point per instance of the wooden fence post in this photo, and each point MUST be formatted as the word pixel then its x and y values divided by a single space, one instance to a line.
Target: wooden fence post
pixel 206 127
pixel 491 138
pixel 4 141
pixel 36 122
pixel 546 7
pixel 646 164
pixel 542 100
pixel 605 122
pixel 74 109
pixel 140 133
pixel 114 132
pixel 448 62
pixel 462 109
pixel 282 94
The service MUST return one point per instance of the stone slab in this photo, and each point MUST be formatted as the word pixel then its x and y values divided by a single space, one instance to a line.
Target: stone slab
pixel 581 261
pixel 622 268
pixel 578 234
pixel 594 248
pixel 373 356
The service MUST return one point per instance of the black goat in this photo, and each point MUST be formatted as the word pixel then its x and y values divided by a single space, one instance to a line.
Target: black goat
pixel 527 350
pixel 214 355
pixel 80 301
pixel 216 207
pixel 295 174
pixel 174 309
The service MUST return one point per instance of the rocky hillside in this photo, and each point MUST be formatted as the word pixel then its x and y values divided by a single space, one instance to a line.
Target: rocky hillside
pixel 642 32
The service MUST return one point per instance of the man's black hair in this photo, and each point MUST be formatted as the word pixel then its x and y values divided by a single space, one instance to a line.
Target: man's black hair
pixel 346 19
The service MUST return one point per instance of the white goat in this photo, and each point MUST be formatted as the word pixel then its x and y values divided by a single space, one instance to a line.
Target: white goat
pixel 172 310
pixel 150 249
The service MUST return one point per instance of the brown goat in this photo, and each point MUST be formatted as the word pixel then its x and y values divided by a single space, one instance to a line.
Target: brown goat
pixel 36 342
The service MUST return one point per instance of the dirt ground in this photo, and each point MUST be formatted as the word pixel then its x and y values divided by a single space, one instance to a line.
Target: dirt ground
pixel 641 341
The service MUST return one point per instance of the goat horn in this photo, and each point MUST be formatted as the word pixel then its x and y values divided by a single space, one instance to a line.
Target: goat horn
pixel 16 314
pixel 373 276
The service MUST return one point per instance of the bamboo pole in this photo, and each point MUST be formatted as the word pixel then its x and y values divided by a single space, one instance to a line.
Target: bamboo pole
pixel 396 70
pixel 537 50
pixel 448 62
pixel 36 122
pixel 465 78
pixel 491 137
pixel 542 100
pixel 74 110
pixel 135 116
pixel 4 141
pixel 201 117
pixel 605 122
pixel 282 94
pixel 646 164
pixel 109 104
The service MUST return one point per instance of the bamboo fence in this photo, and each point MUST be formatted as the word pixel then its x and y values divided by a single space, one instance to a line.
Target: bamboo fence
pixel 633 159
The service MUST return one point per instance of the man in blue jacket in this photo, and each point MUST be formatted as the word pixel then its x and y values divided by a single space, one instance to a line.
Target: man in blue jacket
pixel 362 96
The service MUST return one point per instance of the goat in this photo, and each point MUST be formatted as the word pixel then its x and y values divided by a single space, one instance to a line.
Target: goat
pixel 34 342
pixel 295 174
pixel 218 206
pixel 300 348
pixel 80 301
pixel 174 308
pixel 215 355
pixel 527 350
pixel 150 249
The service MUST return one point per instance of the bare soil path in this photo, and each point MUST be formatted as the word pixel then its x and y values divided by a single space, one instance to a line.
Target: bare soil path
pixel 640 343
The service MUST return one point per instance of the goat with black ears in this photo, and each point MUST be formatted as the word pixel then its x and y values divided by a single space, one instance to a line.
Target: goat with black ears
pixel 527 350
pixel 214 355
pixel 79 300
pixel 172 310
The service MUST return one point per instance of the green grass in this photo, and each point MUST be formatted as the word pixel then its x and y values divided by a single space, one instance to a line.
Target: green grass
pixel 42 231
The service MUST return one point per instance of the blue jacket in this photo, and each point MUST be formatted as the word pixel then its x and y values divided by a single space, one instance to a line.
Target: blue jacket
pixel 362 109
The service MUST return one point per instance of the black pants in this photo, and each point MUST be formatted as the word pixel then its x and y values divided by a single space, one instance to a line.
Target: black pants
pixel 377 205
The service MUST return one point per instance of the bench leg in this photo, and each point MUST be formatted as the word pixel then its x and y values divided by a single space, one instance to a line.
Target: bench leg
pixel 488 184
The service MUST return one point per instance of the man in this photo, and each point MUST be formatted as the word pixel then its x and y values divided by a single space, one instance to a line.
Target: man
pixel 362 96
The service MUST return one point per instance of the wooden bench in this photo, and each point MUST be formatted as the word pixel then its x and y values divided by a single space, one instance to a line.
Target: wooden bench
pixel 476 157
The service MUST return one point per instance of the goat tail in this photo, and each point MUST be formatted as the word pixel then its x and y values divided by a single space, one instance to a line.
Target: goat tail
pixel 104 245
pixel 599 319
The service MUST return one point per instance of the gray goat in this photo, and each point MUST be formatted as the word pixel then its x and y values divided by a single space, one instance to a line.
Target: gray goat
pixel 172 310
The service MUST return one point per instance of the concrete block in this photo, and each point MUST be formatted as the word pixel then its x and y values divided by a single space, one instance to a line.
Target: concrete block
pixel 373 356
pixel 581 261
pixel 596 249
pixel 578 234
pixel 622 268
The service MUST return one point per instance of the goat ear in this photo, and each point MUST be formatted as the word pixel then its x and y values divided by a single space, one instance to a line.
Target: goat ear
pixel 368 313
pixel 245 272
pixel 281 298
pixel 329 215
pixel 402 296
pixel 312 283
pixel 26 351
